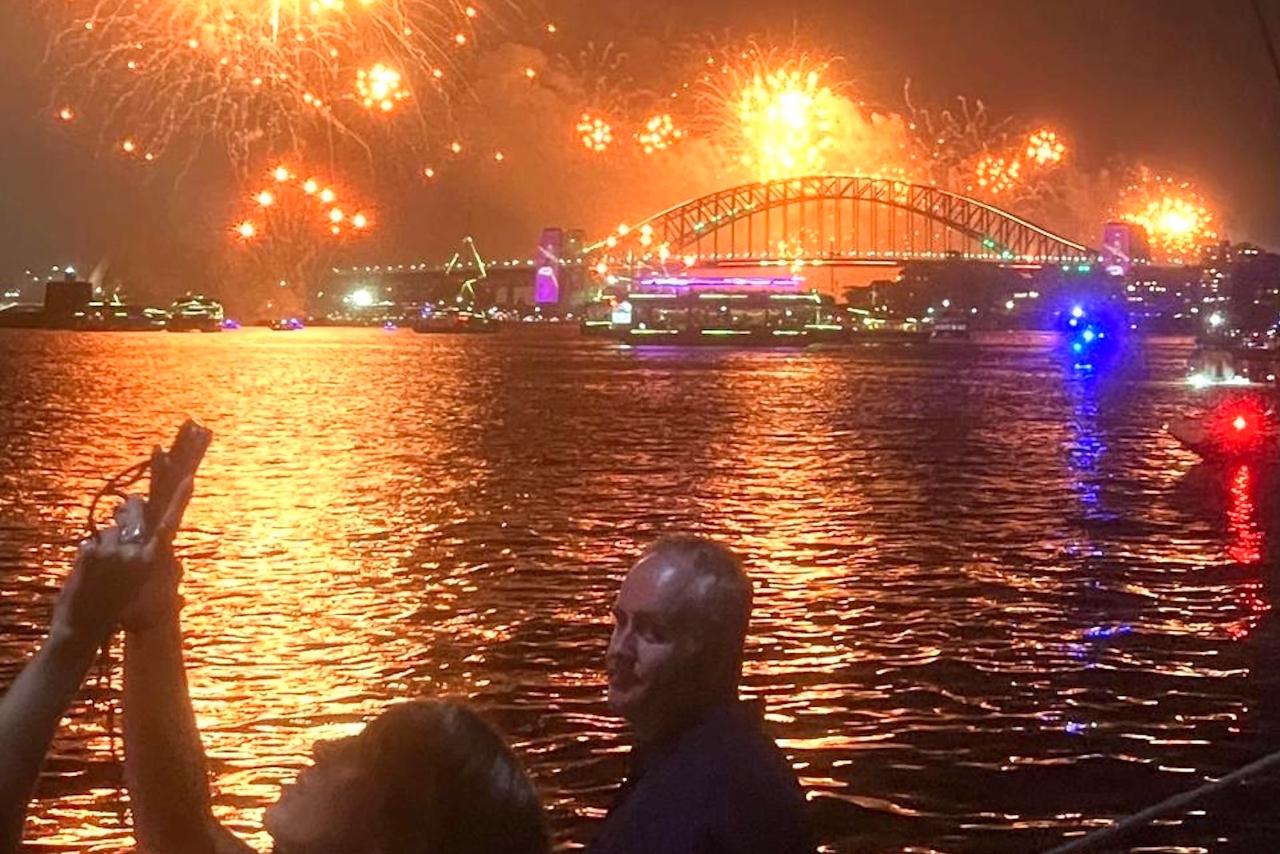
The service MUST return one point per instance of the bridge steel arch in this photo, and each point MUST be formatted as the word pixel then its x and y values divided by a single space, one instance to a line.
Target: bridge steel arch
pixel 839 219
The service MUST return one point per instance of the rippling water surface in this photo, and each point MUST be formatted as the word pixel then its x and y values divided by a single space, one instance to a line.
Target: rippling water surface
pixel 995 602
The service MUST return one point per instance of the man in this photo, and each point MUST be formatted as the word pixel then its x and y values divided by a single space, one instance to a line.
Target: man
pixel 704 778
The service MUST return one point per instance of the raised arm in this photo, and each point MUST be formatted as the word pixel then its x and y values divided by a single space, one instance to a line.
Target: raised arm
pixel 108 572
pixel 165 766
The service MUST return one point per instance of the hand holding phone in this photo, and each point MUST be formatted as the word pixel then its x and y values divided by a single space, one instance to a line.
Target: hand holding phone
pixel 170 470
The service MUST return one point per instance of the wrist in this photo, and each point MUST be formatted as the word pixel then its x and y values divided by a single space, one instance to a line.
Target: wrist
pixel 66 642
pixel 158 616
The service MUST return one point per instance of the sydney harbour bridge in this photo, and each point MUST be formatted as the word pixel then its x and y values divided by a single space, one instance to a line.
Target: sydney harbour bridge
pixel 829 221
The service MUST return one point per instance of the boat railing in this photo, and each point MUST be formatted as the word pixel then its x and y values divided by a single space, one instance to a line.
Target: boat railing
pixel 1109 836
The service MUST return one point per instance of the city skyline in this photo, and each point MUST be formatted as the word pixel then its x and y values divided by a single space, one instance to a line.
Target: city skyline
pixel 1120 80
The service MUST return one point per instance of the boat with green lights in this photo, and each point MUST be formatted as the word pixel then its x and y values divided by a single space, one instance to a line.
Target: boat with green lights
pixel 714 311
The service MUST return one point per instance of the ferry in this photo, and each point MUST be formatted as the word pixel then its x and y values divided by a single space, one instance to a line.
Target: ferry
pixel 739 312
pixel 196 314
pixel 116 316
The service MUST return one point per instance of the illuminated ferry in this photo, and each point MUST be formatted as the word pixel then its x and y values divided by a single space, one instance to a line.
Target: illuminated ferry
pixel 196 314
pixel 668 310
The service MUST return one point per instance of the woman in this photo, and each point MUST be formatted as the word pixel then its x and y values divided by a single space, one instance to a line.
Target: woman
pixel 427 777
pixel 423 778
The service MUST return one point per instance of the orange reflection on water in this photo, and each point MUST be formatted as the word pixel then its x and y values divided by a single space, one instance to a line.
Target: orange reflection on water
pixel 392 515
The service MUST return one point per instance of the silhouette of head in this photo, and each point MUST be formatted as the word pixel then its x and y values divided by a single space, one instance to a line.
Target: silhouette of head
pixel 426 777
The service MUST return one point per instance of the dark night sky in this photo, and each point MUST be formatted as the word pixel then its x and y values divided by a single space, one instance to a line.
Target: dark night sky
pixel 1185 86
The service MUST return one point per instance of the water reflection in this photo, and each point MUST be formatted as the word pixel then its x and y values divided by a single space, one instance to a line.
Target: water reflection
pixel 994 602
pixel 1242 517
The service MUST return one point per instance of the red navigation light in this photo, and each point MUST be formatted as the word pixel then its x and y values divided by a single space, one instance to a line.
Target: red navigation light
pixel 1241 424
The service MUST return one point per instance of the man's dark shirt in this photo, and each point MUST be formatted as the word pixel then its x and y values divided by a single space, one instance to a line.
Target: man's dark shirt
pixel 719 787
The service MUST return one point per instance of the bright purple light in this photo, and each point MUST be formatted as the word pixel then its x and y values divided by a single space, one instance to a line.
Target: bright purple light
pixel 546 288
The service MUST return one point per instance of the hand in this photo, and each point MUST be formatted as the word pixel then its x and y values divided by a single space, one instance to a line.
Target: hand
pixel 109 570
pixel 114 566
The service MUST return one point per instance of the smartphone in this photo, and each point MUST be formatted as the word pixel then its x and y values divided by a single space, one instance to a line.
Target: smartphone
pixel 169 470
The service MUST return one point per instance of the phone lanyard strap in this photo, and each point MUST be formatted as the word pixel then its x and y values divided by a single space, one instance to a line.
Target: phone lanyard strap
pixel 116 487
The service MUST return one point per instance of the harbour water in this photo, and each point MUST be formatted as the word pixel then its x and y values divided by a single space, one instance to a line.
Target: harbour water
pixel 995 601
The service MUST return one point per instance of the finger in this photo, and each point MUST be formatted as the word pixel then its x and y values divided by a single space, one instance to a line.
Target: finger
pixel 131 519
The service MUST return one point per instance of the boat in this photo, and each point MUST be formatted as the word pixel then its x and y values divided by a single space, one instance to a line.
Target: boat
pixel 950 328
pixel 116 316
pixel 717 312
pixel 1238 428
pixel 454 321
pixel 196 314
pixel 286 324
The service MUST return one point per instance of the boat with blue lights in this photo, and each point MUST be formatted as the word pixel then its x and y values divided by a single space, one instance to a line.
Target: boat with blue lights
pixel 716 311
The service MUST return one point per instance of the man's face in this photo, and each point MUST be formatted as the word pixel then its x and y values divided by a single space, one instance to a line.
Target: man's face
pixel 649 652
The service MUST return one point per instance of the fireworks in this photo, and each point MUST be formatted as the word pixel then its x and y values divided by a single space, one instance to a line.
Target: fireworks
pixel 997 176
pixel 254 74
pixel 1017 171
pixel 1045 149
pixel 1178 222
pixel 287 234
pixel 777 116
pixel 290 208
pixel 380 87
pixel 787 118
pixel 595 132
pixel 659 134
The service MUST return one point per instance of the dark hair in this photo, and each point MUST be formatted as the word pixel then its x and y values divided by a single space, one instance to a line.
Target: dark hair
pixel 716 602
pixel 450 785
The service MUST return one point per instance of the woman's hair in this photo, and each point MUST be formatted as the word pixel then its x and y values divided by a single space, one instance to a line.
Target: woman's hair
pixel 448 784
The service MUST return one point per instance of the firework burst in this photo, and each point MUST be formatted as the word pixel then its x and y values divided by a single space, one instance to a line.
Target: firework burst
pixel 1179 223
pixel 256 75
pixel 1045 149
pixel 659 134
pixel 595 133
pixel 288 231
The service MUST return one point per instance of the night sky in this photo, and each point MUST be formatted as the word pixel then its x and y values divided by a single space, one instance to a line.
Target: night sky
pixel 1184 86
